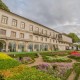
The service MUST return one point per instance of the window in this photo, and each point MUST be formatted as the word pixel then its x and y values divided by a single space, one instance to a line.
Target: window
pixel 50 33
pixel 50 40
pixel 46 32
pixel 45 39
pixel 22 25
pixel 14 22
pixel 21 35
pixel 31 37
pixel 36 37
pixel 13 34
pixel 53 40
pixel 4 19
pixel 31 28
pixel 2 32
pixel 37 29
pixel 41 38
pixel 42 31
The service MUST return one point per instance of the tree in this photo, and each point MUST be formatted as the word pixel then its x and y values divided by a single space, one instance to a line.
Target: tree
pixel 74 37
pixel 3 6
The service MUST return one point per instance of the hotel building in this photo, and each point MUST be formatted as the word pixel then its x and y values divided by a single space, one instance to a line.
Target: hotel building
pixel 20 34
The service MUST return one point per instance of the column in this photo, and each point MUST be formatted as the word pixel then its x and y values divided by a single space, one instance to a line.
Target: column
pixel 33 46
pixel 16 46
pixel 26 47
pixel 7 44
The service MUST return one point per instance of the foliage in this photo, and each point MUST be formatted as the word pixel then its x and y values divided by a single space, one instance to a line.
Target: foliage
pixel 32 74
pixel 75 55
pixel 67 74
pixel 23 54
pixel 1 77
pixel 7 62
pixel 56 59
pixel 77 67
pixel 77 70
pixel 3 6
pixel 74 37
pixel 4 56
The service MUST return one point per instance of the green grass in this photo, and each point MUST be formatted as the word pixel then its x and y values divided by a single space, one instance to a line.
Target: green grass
pixel 8 63
pixel 76 67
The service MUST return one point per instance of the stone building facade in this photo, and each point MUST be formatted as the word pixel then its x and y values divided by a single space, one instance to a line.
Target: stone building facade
pixel 20 34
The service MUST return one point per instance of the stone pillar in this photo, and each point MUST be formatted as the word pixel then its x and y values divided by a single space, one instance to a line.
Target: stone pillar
pixel 39 47
pixel 26 47
pixel 7 44
pixel 16 46
pixel 33 47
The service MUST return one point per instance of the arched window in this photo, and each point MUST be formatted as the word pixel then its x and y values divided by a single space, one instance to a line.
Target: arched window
pixel 12 47
pixel 36 47
pixel 21 47
pixel 30 47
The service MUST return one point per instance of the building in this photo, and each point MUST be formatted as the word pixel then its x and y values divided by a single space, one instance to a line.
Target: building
pixel 20 34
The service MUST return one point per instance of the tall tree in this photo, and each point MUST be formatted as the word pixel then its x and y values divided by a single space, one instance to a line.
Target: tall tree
pixel 74 37
pixel 3 6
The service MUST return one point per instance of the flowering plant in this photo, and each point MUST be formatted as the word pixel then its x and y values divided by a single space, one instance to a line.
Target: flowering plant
pixel 75 53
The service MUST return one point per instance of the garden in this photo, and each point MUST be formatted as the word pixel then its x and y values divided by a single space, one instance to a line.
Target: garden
pixel 55 65
pixel 10 69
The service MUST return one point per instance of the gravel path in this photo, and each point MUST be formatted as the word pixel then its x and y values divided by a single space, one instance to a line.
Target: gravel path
pixel 72 76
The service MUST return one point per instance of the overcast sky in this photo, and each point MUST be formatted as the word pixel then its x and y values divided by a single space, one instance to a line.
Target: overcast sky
pixel 61 15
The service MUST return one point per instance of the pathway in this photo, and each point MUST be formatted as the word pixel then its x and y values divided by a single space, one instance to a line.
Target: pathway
pixel 72 76
pixel 39 61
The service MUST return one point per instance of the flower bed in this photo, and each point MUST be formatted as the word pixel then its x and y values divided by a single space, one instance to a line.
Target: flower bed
pixel 75 55
pixel 24 73
pixel 56 59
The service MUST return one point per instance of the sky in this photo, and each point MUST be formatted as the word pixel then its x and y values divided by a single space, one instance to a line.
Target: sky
pixel 60 15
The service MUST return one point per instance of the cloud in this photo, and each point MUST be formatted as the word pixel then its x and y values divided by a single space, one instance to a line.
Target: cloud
pixel 62 15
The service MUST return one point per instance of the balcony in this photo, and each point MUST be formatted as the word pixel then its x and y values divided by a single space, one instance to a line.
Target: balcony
pixel 40 34
pixel 53 37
